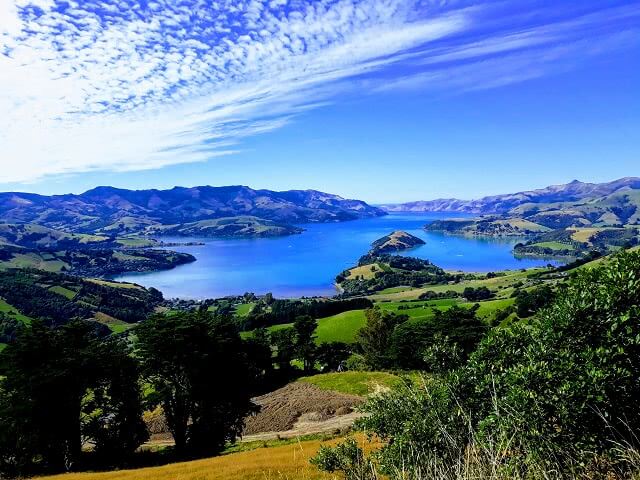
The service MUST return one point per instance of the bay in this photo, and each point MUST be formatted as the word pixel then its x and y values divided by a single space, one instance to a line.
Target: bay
pixel 306 264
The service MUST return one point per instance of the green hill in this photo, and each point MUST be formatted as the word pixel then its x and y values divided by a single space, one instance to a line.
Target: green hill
pixel 57 298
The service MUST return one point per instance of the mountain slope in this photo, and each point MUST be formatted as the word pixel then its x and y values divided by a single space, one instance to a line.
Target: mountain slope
pixel 571 192
pixel 118 211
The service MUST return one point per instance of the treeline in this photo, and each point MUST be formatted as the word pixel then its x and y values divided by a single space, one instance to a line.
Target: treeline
pixel 553 397
pixel 393 342
pixel 276 312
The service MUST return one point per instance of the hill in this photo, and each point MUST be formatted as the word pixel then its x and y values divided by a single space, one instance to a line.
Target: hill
pixel 43 248
pixel 395 242
pixel 376 272
pixel 575 191
pixel 244 226
pixel 57 298
pixel 564 220
pixel 113 211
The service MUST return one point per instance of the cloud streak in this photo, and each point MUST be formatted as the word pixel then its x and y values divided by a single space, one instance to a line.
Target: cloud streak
pixel 124 85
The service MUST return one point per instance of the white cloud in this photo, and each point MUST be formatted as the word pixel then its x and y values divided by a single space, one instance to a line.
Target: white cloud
pixel 113 85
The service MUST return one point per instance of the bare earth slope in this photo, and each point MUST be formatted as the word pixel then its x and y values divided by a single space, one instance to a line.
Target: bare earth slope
pixel 300 402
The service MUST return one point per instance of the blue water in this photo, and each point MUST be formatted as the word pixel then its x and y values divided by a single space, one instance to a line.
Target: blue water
pixel 306 264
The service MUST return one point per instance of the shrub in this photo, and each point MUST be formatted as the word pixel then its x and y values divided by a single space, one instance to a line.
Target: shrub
pixel 554 398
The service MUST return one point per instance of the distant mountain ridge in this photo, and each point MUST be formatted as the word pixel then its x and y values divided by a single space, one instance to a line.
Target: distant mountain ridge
pixel 109 210
pixel 574 191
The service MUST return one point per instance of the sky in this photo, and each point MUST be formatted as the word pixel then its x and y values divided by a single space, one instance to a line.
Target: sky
pixel 381 100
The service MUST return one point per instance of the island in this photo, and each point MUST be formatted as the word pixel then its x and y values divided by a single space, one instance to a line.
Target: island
pixel 395 242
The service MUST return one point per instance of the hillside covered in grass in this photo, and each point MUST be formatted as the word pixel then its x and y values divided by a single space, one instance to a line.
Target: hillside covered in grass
pixel 563 221
pixel 57 298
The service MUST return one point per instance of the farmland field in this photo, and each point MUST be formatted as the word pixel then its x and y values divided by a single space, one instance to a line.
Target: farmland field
pixel 12 311
pixel 337 328
pixel 341 327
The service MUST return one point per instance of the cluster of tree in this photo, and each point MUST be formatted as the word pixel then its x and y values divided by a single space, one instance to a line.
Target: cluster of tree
pixel 30 292
pixel 562 236
pixel 106 262
pixel 623 237
pixel 276 312
pixel 298 343
pixel 477 294
pixel 431 295
pixel 529 302
pixel 203 376
pixel 543 251
pixel 66 387
pixel 553 397
pixel 390 341
pixel 60 388
pixel 8 327
pixel 586 258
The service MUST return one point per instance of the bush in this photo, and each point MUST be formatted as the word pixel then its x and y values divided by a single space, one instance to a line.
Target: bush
pixel 477 294
pixel 570 381
pixel 554 398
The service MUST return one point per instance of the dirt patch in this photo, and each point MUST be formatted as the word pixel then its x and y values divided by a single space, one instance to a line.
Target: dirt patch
pixel 281 409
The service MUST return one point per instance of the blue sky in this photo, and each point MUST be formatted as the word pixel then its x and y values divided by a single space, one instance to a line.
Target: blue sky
pixel 384 100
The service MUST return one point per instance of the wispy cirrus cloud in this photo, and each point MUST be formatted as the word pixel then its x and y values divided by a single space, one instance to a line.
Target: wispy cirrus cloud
pixel 128 85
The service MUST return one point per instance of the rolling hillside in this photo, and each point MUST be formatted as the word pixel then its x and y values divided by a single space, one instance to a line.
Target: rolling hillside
pixel 57 298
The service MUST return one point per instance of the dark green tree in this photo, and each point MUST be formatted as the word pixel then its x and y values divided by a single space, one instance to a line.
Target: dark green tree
pixel 528 303
pixel 330 355
pixel 114 409
pixel 375 338
pixel 477 294
pixel 284 343
pixel 305 345
pixel 411 340
pixel 197 365
pixel 259 356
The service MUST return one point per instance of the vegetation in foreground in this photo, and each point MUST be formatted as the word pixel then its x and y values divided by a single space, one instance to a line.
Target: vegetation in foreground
pixel 555 397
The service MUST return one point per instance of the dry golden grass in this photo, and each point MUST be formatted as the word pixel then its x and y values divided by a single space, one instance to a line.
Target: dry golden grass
pixel 584 234
pixel 363 271
pixel 113 284
pixel 288 462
